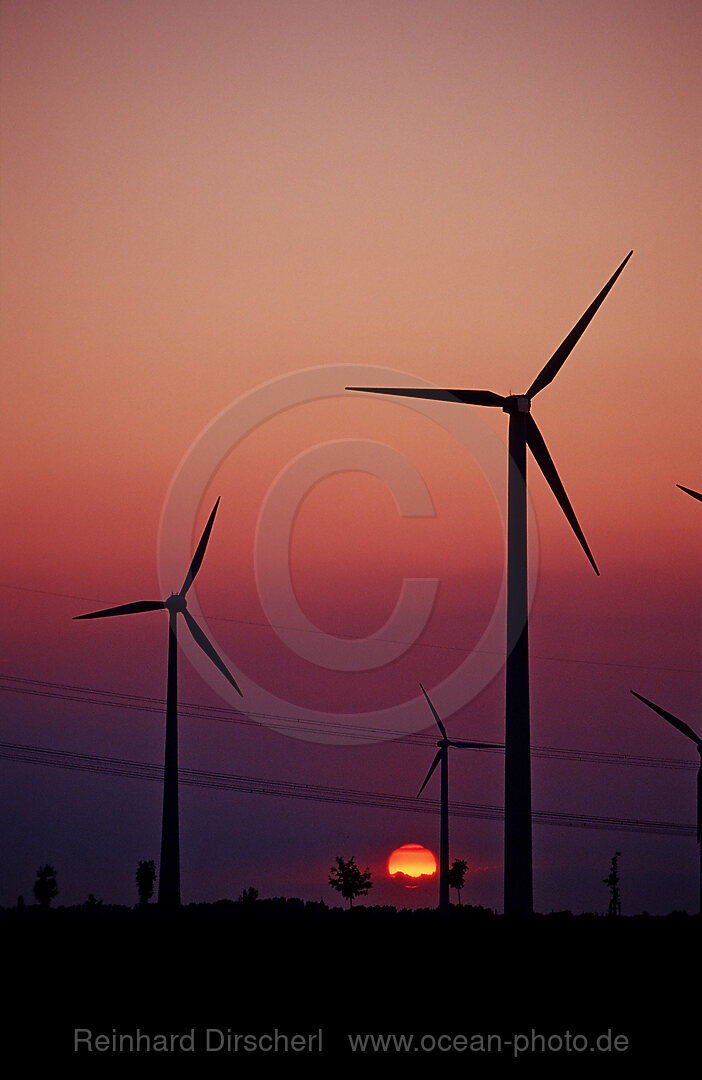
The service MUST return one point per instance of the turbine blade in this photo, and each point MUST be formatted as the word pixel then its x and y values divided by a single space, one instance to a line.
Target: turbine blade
pixel 679 724
pixel 554 365
pixel 695 494
pixel 209 649
pixel 478 745
pixel 200 553
pixel 544 460
pixel 124 609
pixel 465 397
pixel 434 763
pixel 442 729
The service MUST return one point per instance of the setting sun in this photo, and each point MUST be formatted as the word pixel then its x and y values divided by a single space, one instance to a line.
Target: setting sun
pixel 413 860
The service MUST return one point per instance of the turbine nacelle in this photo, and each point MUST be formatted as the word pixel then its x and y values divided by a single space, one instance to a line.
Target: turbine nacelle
pixel 176 604
pixel 444 743
pixel 517 403
pixel 441 758
pixel 524 435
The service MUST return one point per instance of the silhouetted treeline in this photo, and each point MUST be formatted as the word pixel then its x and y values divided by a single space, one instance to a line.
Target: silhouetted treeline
pixel 282 963
pixel 309 911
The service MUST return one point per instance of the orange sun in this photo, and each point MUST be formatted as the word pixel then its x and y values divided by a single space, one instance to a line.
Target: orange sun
pixel 412 860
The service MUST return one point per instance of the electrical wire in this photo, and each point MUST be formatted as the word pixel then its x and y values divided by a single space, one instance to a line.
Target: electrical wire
pixel 115 699
pixel 140 770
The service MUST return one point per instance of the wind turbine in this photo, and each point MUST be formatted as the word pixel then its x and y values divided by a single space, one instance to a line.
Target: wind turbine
pixel 176 604
pixel 695 494
pixel 442 758
pixel 686 730
pixel 523 432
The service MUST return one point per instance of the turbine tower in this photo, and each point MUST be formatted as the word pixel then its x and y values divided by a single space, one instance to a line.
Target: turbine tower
pixel 176 604
pixel 686 730
pixel 523 432
pixel 442 757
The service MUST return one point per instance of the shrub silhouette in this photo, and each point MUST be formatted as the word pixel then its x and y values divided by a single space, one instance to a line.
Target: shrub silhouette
pixel 45 887
pixel 349 880
pixel 615 900
pixel 457 876
pixel 145 878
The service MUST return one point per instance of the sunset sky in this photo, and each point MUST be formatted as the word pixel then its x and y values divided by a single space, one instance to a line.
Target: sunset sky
pixel 214 217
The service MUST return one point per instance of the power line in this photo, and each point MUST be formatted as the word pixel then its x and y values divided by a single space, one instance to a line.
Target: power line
pixel 116 699
pixel 140 770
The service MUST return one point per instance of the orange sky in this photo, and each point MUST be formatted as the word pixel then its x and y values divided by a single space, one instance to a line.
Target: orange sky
pixel 196 199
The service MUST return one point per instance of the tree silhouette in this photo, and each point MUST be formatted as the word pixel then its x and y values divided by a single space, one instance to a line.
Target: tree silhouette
pixel 615 903
pixel 45 887
pixel 145 878
pixel 457 876
pixel 249 896
pixel 349 880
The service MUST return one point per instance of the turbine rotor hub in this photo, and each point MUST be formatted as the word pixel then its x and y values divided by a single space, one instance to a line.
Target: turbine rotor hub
pixel 517 403
pixel 176 602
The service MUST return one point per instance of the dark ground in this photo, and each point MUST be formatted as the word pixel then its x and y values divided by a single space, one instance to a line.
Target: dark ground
pixel 554 992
